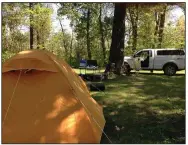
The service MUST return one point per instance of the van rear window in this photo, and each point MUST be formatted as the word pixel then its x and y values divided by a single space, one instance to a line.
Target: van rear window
pixel 170 52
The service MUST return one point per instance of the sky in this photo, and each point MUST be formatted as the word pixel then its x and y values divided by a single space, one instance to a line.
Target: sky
pixel 55 22
pixel 175 14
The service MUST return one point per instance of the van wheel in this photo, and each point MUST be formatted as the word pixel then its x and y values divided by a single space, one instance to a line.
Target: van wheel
pixel 170 70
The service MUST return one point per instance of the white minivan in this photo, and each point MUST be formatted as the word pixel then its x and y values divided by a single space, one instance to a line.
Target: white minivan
pixel 168 60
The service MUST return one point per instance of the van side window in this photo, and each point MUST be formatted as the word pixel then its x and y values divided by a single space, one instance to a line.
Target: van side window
pixel 170 52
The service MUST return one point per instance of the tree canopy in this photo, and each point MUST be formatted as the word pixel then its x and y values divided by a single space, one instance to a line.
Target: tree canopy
pixel 92 31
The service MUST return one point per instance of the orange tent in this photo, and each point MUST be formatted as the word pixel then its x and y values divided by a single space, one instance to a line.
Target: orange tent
pixel 45 101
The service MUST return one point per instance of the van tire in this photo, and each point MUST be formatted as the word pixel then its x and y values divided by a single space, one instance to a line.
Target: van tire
pixel 170 69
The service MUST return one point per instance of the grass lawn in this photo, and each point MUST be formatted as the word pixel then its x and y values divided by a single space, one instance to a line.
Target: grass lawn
pixel 144 108
pixel 88 71
pixel 141 71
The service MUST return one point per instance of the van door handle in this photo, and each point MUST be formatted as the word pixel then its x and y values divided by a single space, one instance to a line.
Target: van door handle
pixel 179 58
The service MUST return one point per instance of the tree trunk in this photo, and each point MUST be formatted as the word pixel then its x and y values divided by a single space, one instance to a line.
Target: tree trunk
pixel 102 34
pixel 70 57
pixel 4 36
pixel 78 54
pixel 64 43
pixel 31 26
pixel 156 28
pixel 133 11
pixel 38 39
pixel 42 38
pixel 43 43
pixel 118 36
pixel 135 27
pixel 108 42
pixel 161 27
pixel 134 38
pixel 88 37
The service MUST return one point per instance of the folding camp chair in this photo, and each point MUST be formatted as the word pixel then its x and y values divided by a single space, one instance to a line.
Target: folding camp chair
pixel 92 65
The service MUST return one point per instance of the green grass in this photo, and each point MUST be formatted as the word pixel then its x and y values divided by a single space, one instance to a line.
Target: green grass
pixel 144 108
pixel 142 71
pixel 161 72
pixel 88 71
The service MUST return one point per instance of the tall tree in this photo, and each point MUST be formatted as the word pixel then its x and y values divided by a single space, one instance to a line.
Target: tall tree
pixel 156 28
pixel 62 30
pixel 102 34
pixel 71 45
pixel 31 26
pixel 40 24
pixel 133 13
pixel 118 36
pixel 88 32
pixel 160 14
pixel 161 25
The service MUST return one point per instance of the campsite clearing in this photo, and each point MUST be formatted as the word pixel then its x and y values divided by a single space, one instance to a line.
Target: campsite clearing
pixel 144 108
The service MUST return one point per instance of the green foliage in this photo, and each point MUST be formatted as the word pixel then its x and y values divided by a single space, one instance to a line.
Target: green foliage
pixel 12 14
pixel 128 51
pixel 55 44
pixel 6 55
pixel 77 13
pixel 41 23
pixel 173 34
pixel 12 18
pixel 42 19
pixel 15 16
pixel 173 38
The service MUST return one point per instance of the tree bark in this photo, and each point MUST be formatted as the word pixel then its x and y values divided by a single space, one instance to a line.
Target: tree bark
pixel 64 43
pixel 102 34
pixel 70 57
pixel 161 27
pixel 38 39
pixel 156 28
pixel 135 35
pixel 88 36
pixel 118 37
pixel 78 53
pixel 31 26
pixel 4 36
pixel 133 10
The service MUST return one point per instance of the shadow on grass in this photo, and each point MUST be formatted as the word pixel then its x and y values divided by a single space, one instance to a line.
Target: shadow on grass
pixel 162 74
pixel 178 73
pixel 144 109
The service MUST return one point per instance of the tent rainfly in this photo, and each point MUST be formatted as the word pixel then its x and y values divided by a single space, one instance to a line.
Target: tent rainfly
pixel 45 101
